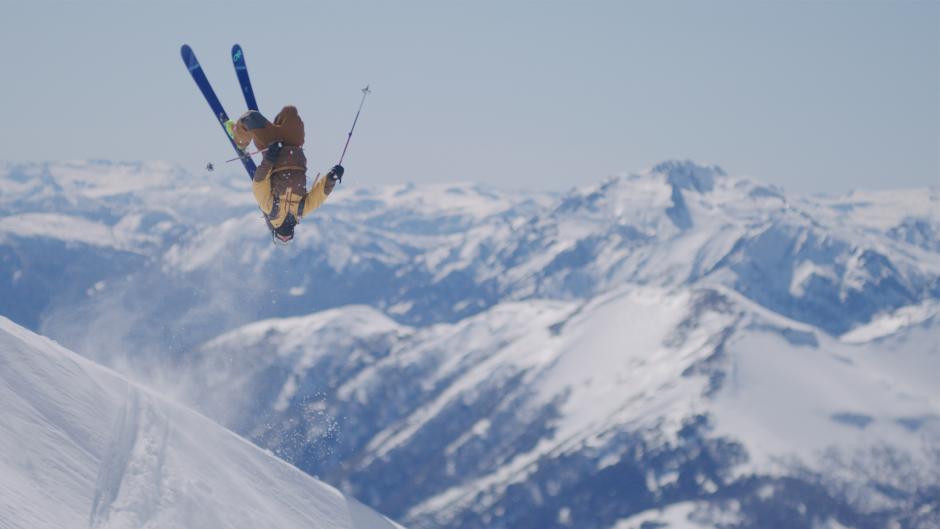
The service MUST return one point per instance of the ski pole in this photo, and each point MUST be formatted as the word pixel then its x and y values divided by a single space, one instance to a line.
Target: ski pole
pixel 365 92
pixel 211 167
pixel 243 156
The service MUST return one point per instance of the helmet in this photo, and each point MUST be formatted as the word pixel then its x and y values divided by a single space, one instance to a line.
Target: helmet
pixel 285 232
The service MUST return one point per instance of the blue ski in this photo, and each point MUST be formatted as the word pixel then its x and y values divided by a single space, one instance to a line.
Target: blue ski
pixel 195 69
pixel 241 70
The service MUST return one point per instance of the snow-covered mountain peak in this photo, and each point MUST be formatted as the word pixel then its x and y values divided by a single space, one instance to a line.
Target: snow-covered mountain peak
pixel 676 192
pixel 689 175
pixel 291 333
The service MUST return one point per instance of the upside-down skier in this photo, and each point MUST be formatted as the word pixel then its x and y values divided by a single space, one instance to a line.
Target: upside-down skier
pixel 280 182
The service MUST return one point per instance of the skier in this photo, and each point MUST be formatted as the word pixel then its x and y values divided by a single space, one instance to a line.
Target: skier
pixel 280 182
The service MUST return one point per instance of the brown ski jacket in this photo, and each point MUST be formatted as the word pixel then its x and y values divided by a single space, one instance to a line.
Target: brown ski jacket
pixel 280 186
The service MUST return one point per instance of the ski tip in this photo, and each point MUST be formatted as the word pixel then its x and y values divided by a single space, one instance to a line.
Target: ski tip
pixel 236 52
pixel 189 58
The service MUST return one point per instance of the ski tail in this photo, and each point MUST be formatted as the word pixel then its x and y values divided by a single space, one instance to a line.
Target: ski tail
pixel 241 70
pixel 199 76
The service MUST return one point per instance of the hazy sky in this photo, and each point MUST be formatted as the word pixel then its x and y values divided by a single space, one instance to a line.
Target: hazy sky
pixel 813 96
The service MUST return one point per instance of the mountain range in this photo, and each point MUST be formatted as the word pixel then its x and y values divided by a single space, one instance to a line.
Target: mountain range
pixel 676 347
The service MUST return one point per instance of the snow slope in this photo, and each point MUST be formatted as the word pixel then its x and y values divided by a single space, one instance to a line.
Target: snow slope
pixel 80 446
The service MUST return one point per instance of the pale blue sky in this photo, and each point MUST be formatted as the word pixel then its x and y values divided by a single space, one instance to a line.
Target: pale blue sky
pixel 813 96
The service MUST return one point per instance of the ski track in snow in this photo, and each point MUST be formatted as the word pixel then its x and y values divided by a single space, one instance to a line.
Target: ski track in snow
pixel 132 468
pixel 114 461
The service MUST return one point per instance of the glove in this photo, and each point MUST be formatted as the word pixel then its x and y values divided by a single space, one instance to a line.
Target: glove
pixel 273 150
pixel 230 128
pixel 336 173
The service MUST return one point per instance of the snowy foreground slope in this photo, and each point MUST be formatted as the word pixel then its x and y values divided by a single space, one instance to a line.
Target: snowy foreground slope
pixel 80 446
